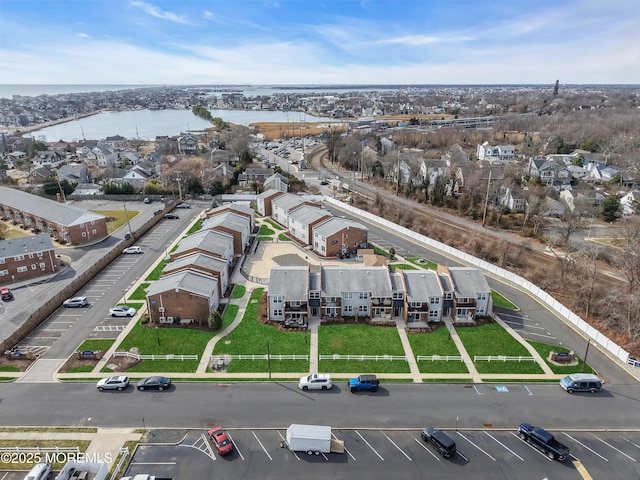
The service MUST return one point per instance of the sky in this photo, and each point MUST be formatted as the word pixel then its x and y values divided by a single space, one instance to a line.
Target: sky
pixel 326 42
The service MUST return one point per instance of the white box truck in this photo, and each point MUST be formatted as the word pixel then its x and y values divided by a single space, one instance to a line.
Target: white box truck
pixel 313 439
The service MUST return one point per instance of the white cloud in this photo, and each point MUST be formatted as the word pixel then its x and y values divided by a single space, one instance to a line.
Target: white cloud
pixel 157 12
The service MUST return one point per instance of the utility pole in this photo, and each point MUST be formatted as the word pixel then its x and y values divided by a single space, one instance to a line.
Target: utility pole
pixel 486 200
pixel 126 214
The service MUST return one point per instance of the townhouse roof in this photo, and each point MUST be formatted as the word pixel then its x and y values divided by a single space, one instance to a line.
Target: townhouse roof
pixel 201 260
pixel 269 193
pixel 235 206
pixel 334 225
pixel 207 240
pixel 337 280
pixel 307 214
pixel 189 281
pixel 19 246
pixel 290 282
pixel 229 220
pixel 42 207
pixel 468 281
pixel 287 202
pixel 422 284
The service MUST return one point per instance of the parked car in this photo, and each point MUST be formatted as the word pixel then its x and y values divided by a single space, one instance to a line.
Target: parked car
pixel 116 382
pixel 364 382
pixel 154 383
pixel 76 302
pixel 184 205
pixel 132 250
pixel 171 216
pixel 221 440
pixel 317 381
pixel 440 440
pixel 6 294
pixel 157 212
pixel 122 311
pixel 147 200
pixel 324 182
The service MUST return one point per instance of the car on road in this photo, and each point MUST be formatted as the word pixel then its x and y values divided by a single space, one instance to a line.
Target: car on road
pixel 317 381
pixel 221 440
pixel 6 294
pixel 154 383
pixel 116 382
pixel 76 302
pixel 183 205
pixel 122 311
pixel 132 250
pixel 324 182
pixel 171 216
pixel 157 212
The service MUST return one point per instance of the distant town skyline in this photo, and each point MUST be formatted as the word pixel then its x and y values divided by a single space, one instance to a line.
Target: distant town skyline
pixel 308 42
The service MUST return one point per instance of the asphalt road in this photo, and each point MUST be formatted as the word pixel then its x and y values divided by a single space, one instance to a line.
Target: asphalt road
pixel 276 405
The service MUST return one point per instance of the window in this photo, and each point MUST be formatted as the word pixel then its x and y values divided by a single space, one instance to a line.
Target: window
pixel 4 272
pixel 278 299
pixel 39 254
pixel 364 295
pixel 33 266
pixel 2 260
pixel 434 300
pixel 433 314
pixel 295 304
pixel 415 304
pixel 348 295
pixel 348 309
pixel 42 265
pixel 363 309
pixel 22 269
pixel 277 313
pixel 31 255
pixel 314 294
pixel 482 296
pixel 398 296
pixel 84 234
pixel 17 258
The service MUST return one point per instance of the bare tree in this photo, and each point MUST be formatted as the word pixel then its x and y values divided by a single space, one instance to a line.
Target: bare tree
pixel 628 260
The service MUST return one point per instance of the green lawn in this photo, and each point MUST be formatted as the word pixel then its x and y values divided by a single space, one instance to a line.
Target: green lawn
pixel 544 349
pixel 80 369
pixel 403 266
pixel 500 301
pixel 264 231
pixel 238 291
pixel 360 340
pixel 250 338
pixel 265 239
pixel 284 237
pixel 437 342
pixel 273 224
pixel 196 227
pixel 140 293
pixel 492 339
pixel 229 315
pixel 9 368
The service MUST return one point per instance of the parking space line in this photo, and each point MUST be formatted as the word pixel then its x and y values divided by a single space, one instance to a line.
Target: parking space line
pixel 590 449
pixel 235 445
pixel 476 446
pixel 345 448
pixel 260 443
pixel 548 335
pixel 477 391
pixel 522 323
pixel 365 441
pixel 627 440
pixel 529 391
pixel 616 449
pixel 425 448
pixel 503 445
pixel 399 449
pixel 155 463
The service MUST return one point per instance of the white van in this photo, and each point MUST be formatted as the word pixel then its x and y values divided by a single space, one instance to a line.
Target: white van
pixel 40 471
pixel 581 382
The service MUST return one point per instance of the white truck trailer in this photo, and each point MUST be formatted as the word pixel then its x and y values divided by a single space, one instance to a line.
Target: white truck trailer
pixel 313 439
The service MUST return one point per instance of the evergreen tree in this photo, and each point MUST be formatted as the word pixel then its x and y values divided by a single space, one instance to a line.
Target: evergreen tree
pixel 555 88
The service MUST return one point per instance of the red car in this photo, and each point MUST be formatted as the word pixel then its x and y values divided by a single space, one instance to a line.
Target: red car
pixel 221 440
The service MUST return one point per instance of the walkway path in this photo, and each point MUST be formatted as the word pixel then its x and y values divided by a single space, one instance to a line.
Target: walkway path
pixel 408 351
pixel 466 358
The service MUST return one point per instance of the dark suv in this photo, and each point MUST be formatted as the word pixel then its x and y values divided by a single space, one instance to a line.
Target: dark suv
pixel 440 440
pixel 364 382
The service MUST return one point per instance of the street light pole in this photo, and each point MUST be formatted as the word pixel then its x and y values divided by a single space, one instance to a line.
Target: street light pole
pixel 586 352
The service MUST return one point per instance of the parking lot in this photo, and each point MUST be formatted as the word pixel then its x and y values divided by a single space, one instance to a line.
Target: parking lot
pixel 377 453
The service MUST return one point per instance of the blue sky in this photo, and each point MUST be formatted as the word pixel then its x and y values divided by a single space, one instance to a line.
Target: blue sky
pixel 288 42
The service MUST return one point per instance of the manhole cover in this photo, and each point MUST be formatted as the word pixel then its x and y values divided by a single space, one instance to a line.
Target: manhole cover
pixel 487 425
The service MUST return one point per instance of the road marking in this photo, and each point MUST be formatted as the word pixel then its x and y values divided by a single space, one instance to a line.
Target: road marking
pixel 477 391
pixel 522 324
pixel 582 471
pixel 530 393
pixel 617 450
pixel 109 328
pixel 201 444
pixel 499 442
pixel 548 335
pixel 259 442
pixel 157 463
pixel 365 441
pixel 426 449
pixel 345 448
pixel 399 449
pixel 235 445
pixel 590 449
pixel 627 440
pixel 285 442
pixel 476 446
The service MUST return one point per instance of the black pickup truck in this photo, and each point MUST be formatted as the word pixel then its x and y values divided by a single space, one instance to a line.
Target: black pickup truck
pixel 543 441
